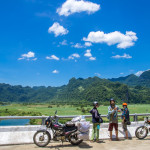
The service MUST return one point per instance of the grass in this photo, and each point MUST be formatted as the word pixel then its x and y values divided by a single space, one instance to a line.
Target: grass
pixel 43 109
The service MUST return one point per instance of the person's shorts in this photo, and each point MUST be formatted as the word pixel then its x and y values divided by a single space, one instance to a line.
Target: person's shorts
pixel 124 126
pixel 111 125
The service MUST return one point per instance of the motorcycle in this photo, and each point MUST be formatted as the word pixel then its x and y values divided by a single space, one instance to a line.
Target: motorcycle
pixel 61 132
pixel 142 131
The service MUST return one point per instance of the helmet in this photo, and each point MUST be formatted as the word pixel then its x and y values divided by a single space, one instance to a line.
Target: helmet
pixel 95 103
pixel 124 104
pixel 112 100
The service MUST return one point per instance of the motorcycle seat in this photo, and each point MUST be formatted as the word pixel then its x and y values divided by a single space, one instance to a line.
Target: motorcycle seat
pixel 70 124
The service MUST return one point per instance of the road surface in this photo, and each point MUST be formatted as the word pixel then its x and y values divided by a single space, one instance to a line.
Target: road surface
pixel 133 144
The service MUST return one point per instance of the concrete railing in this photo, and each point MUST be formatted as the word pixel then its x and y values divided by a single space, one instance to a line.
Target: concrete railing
pixel 135 117
pixel 24 134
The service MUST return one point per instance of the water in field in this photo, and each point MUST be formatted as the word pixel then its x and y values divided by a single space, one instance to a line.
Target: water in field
pixel 14 122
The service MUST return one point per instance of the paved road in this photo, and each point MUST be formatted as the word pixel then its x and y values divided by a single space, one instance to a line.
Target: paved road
pixel 133 144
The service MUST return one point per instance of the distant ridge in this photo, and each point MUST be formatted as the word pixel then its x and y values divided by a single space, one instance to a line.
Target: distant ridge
pixel 133 80
pixel 77 90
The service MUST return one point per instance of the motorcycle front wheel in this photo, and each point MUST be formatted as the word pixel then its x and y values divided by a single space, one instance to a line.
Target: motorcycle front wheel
pixel 141 132
pixel 41 138
pixel 74 140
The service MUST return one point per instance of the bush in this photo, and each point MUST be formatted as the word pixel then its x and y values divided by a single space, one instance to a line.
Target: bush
pixel 50 106
pixel 83 110
pixel 77 108
pixel 88 109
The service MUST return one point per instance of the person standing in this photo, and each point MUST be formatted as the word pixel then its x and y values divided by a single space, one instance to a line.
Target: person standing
pixel 113 110
pixel 95 121
pixel 125 118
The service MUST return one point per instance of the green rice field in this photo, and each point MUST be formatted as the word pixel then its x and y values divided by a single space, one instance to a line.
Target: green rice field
pixel 45 109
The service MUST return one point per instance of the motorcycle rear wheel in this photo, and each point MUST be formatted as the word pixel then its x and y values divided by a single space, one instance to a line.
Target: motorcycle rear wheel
pixel 141 132
pixel 41 138
pixel 74 140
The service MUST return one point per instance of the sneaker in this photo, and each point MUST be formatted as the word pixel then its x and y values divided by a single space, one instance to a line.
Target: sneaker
pixel 92 141
pixel 97 141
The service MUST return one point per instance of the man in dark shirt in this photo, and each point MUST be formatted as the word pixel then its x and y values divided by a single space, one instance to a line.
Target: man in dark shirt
pixel 95 121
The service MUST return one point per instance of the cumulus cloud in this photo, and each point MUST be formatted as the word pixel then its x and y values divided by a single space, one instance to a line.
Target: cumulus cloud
pixel 92 58
pixel 88 44
pixel 125 56
pixel 76 6
pixel 34 59
pixel 55 71
pixel 57 29
pixel 140 72
pixel 52 57
pixel 64 42
pixel 29 56
pixel 88 54
pixel 73 56
pixel 77 45
pixel 122 40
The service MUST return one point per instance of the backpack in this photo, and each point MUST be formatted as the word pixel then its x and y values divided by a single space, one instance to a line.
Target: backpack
pixel 127 119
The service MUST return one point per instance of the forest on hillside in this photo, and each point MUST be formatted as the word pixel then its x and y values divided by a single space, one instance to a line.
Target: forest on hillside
pixel 76 91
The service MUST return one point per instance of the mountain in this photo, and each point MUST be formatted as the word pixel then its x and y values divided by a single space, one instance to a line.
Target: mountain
pixel 77 90
pixel 133 80
pixel 129 80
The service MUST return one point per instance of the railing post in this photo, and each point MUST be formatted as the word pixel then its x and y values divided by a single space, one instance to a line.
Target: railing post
pixel 135 117
pixel 43 120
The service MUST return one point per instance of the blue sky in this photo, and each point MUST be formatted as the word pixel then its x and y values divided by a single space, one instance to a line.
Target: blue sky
pixel 46 42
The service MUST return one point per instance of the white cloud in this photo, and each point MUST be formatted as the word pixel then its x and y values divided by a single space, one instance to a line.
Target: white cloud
pixel 64 42
pixel 52 57
pixel 76 6
pixel 98 74
pixel 73 56
pixel 121 73
pixel 34 59
pixel 57 29
pixel 29 56
pixel 55 71
pixel 125 56
pixel 77 45
pixel 88 44
pixel 20 58
pixel 122 40
pixel 92 58
pixel 140 72
pixel 88 53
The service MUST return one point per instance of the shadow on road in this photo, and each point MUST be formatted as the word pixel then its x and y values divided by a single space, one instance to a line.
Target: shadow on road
pixel 82 145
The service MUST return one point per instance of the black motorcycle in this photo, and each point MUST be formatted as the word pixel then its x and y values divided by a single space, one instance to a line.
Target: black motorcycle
pixel 61 132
